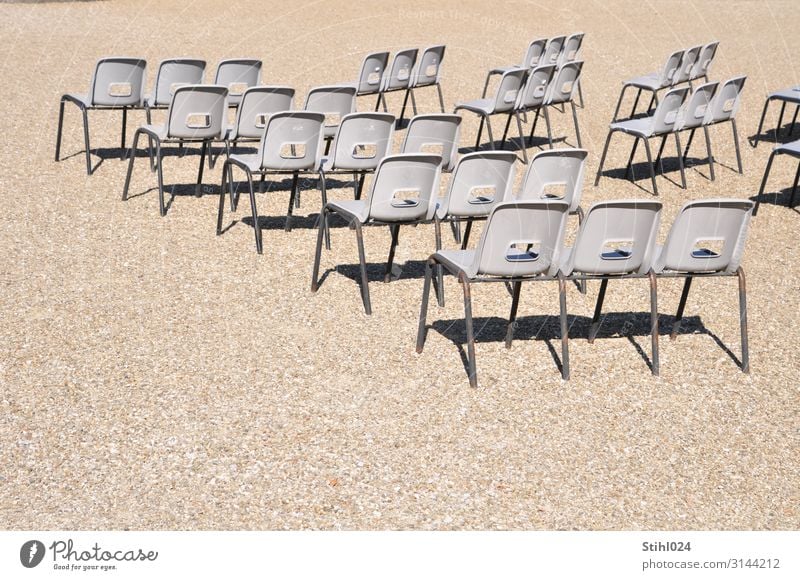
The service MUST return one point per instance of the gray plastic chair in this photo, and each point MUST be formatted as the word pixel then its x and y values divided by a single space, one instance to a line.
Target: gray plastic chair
pixel 562 90
pixel 661 123
pixel 552 52
pixel 792 149
pixel 398 76
pixel 427 73
pixel 616 241
pixel 480 181
pixel 785 96
pixel 504 101
pixel 173 73
pixel 334 101
pixel 362 141
pixel 291 144
pixel 521 243
pixel 401 193
pixel 556 174
pixel 688 64
pixel 533 55
pixel 652 82
pixel 238 74
pixel 723 109
pixel 707 240
pixel 196 114
pixel 704 60
pixel 570 53
pixel 370 77
pixel 117 84
pixel 436 134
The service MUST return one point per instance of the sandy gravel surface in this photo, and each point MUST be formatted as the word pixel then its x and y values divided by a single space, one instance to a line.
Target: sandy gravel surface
pixel 153 375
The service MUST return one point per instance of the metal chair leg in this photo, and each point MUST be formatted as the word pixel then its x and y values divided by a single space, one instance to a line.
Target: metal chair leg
pixel 437 230
pixel 505 131
pixel 710 154
pixel 198 188
pixel 754 142
pixel 60 128
pixel 130 168
pixel 489 130
pixel 603 159
pixel 403 110
pixel 575 120
pixel 562 301
pixel 547 122
pixel 688 145
pixel 650 163
pixel 423 311
pixel 533 126
pixel 676 326
pixel 413 103
pixel 254 213
pixel 123 133
pixel 473 375
pixel 764 182
pixel 221 208
pixel 635 102
pixel 521 138
pixel 659 162
pixel 654 322
pixel 441 97
pixel 480 131
pixel 780 121
pixel 395 230
pixel 85 115
pixel 680 159
pixel 629 167
pixel 598 308
pixel 512 318
pixel 619 102
pixel 743 320
pixel 323 189
pixel 162 208
pixel 363 265
pixel 288 226
pixel 736 144
pixel 794 186
pixel 323 217
pixel 465 237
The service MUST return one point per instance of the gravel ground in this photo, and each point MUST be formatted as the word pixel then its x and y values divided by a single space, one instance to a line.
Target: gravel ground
pixel 155 376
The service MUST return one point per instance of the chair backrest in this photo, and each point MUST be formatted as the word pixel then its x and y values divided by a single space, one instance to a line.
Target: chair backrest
pixel 534 93
pixel 726 102
pixel 695 110
pixel 197 112
pixel 237 74
pixel 666 116
pixel 291 141
pixel 404 187
pixel 616 237
pixel 399 75
pixel 521 238
pixel 534 53
pixel 429 67
pixel 508 90
pixel 176 72
pixel 480 181
pixel 363 139
pixel 435 133
pixel 704 61
pixel 671 68
pixel 707 236
pixel 571 48
pixel 688 60
pixel 555 174
pixel 373 68
pixel 256 106
pixel 564 83
pixel 334 102
pixel 118 81
pixel 554 47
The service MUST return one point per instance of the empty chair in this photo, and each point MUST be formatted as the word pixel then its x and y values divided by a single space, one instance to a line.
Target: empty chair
pixel 521 242
pixel 661 123
pixel 256 106
pixel 290 144
pixel 652 82
pixel 427 73
pixel 334 101
pixel 703 62
pixel 723 109
pixel 552 52
pixel 707 240
pixel 238 74
pixel 362 141
pixel 196 114
pixel 570 53
pixel 480 181
pixel 562 89
pixel 533 98
pixel 398 76
pixel 616 241
pixel 117 83
pixel 173 73
pixel 688 63
pixel 533 55
pixel 556 174
pixel 792 149
pixel 401 193
pixel 436 134
pixel 370 77
pixel 504 101
pixel 785 96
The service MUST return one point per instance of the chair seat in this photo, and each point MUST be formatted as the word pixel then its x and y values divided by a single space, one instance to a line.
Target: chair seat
pixel 639 127
pixel 160 130
pixel 252 161
pixel 791 148
pixel 458 260
pixel 482 106
pixel 651 81
pixel 791 95
pixel 84 99
pixel 355 208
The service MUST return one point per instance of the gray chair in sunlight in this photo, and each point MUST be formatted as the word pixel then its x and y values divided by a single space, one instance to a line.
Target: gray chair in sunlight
pixel 562 90
pixel 703 62
pixel 532 98
pixel 398 76
pixel 653 82
pixel 707 240
pixel 553 50
pixel 520 243
pixel 196 115
pixel 723 109
pixel 436 134
pixel 370 77
pixel 238 74
pixel 687 66
pixel 117 84
pixel 427 73
pixel 570 53
pixel 785 96
pixel 616 241
pixel 661 123
pixel 333 101
pixel 401 194
pixel 173 73
pixel 290 145
pixel 503 101
pixel 556 175
pixel 533 55
pixel 792 149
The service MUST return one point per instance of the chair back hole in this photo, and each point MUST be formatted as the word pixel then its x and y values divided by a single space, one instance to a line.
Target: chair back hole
pixel 616 250
pixel 364 151
pixel 405 198
pixel 708 248
pixel 374 77
pixel 261 120
pixel 700 111
pixel 120 90
pixel 432 69
pixel 670 117
pixel 523 251
pixel 567 87
pixel 554 190
pixel 403 73
pixel 728 106
pixel 198 120
pixel 510 96
pixel 481 194
pixel 293 150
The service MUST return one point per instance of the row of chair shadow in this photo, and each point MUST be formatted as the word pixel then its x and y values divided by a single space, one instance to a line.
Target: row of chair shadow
pixel 523 239
pixel 118 83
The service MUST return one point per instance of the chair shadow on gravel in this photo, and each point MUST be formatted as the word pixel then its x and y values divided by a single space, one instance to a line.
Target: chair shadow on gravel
pixel 779 198
pixel 410 270
pixel 632 326
pixel 668 169
pixel 776 136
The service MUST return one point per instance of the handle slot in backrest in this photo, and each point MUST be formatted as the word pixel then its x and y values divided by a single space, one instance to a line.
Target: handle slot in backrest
pixel 293 150
pixel 407 197
pixel 198 120
pixel 481 194
pixel 364 151
pixel 120 89
pixel 523 251
pixel 708 248
pixel 616 250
